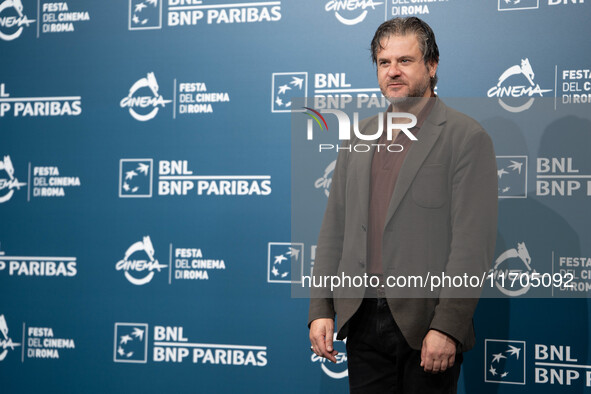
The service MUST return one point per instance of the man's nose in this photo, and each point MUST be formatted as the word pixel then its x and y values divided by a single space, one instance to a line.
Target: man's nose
pixel 393 70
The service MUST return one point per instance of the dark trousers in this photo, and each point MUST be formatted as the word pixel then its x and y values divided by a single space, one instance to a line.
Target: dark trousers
pixel 381 361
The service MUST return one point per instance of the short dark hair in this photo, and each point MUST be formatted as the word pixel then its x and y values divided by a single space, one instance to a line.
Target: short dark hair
pixel 405 26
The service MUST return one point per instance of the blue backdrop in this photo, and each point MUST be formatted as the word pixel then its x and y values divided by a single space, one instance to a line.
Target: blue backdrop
pixel 146 187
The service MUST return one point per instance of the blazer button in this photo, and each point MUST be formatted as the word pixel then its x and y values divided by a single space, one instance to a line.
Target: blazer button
pixel 361 263
pixel 363 227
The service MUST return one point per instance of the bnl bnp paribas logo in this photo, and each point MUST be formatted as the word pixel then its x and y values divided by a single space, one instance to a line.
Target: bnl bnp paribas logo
pixel 170 344
pixel 143 100
pixel 174 178
pixel 516 89
pixel 289 92
pixel 13 19
pixel 139 263
pixel 506 362
pixel 147 14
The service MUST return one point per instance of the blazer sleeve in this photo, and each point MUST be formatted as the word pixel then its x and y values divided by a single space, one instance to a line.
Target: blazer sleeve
pixel 330 242
pixel 474 228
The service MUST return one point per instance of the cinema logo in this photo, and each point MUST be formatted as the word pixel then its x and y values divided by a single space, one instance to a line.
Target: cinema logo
pixel 138 263
pixel 143 100
pixel 351 12
pixel 38 266
pixel 6 343
pixel 511 264
pixel 402 121
pixel 336 370
pixel 513 95
pixel 38 106
pixel 8 182
pixel 13 19
pixel 170 345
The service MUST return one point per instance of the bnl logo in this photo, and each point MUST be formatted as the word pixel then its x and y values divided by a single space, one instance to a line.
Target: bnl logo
pixel 512 176
pixel 285 262
pixel 512 5
pixel 145 14
pixel 285 88
pixel 504 361
pixel 131 343
pixel 135 178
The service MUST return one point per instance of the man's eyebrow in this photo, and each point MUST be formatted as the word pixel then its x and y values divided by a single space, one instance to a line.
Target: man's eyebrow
pixel 405 57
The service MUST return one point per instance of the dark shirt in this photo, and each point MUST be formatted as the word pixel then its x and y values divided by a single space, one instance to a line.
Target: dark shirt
pixel 385 167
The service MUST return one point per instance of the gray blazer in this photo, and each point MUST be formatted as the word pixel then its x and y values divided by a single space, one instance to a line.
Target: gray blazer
pixel 442 217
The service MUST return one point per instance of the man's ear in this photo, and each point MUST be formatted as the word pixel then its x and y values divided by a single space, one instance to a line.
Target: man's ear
pixel 432 67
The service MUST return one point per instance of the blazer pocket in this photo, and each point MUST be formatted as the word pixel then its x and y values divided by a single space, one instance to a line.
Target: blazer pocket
pixel 429 188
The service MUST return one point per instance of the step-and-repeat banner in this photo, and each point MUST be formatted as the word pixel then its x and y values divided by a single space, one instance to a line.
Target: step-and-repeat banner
pixel 146 187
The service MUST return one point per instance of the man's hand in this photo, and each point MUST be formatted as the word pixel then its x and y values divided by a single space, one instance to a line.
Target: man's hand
pixel 321 333
pixel 438 352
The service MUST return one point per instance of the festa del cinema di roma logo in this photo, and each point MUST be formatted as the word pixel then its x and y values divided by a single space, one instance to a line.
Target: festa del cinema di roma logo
pixel 505 89
pixel 139 258
pixel 12 19
pixel 144 107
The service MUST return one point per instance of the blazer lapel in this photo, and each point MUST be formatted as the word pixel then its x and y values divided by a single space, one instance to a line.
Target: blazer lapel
pixel 419 150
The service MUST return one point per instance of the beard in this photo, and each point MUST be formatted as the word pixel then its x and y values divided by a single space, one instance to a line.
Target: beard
pixel 414 96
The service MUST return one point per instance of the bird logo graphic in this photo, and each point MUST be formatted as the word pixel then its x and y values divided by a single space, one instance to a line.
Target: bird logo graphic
pixel 287 87
pixel 283 258
pixel 143 12
pixel 505 361
pixel 130 342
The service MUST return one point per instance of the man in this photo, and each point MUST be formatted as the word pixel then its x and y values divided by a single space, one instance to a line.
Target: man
pixel 431 208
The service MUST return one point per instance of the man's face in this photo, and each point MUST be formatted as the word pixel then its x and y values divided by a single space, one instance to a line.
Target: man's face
pixel 402 72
